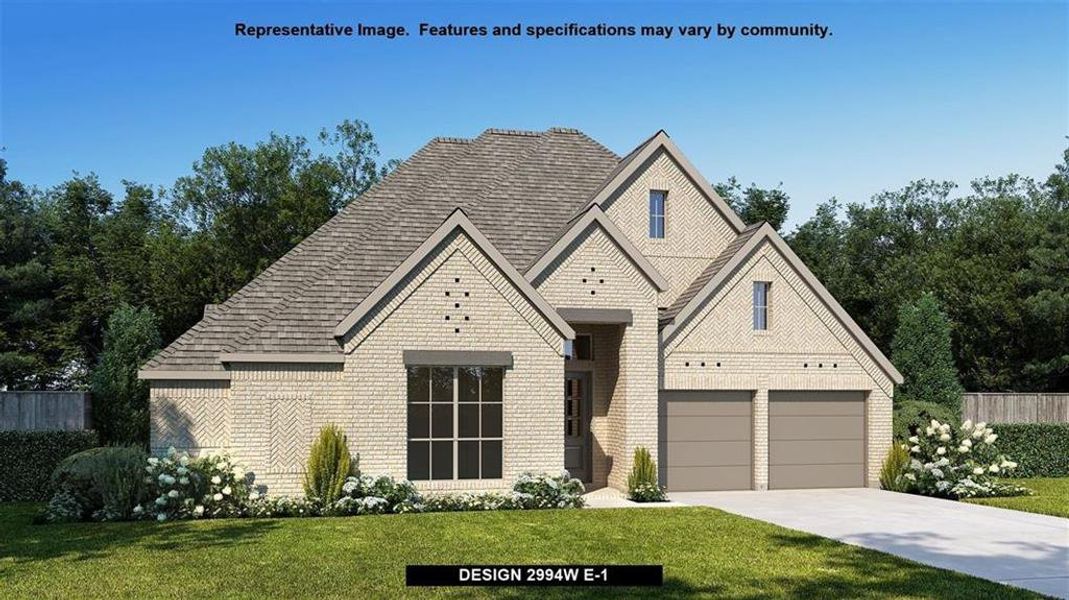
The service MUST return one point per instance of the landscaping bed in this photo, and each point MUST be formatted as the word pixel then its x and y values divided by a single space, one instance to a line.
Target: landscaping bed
pixel 704 552
pixel 1051 497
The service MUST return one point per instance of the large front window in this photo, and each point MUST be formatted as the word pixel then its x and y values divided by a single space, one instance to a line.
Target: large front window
pixel 454 422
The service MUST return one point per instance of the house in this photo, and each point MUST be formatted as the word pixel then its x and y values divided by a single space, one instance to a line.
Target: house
pixel 530 301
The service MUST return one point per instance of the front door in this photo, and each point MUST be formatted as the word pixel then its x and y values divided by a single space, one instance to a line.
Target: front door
pixel 577 424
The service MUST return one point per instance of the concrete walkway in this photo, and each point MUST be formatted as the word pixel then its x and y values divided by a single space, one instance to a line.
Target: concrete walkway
pixel 1018 548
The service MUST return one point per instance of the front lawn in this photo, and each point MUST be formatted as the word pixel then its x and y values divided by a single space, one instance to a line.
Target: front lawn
pixel 1051 498
pixel 704 551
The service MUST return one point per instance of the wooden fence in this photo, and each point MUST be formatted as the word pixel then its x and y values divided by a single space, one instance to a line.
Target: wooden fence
pixel 44 411
pixel 1016 408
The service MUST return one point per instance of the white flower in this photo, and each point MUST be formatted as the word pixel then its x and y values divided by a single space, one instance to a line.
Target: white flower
pixel 153 461
pixel 944 437
pixel 981 425
pixel 929 431
pixel 940 450
pixel 162 477
pixel 913 439
pixel 945 427
pixel 911 477
pixel 967 425
pixel 993 468
pixel 184 460
pixel 254 496
pixel 978 471
pixel 1009 464
pixel 967 443
pixel 172 494
pixel 963 449
pixel 184 481
pixel 161 500
pixel 216 479
pixel 171 451
pixel 990 439
pixel 979 433
pixel 937 473
pixel 217 497
pixel 138 510
pixel 182 470
pixel 915 465
pixel 199 510
pixel 915 449
pixel 226 491
pixel 935 424
pixel 942 462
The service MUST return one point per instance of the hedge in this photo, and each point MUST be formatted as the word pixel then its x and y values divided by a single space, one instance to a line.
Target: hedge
pixel 27 459
pixel 1039 449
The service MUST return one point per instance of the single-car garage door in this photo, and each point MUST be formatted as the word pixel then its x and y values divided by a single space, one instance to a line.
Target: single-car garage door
pixel 708 440
pixel 816 439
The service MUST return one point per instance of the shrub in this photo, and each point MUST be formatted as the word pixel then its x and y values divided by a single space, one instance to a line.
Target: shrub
pixel 958 463
pixel 329 463
pixel 29 457
pixel 470 502
pixel 911 417
pixel 547 491
pixel 366 494
pixel 283 506
pixel 894 467
pixel 198 488
pixel 642 483
pixel 1040 449
pixel 921 348
pixel 107 483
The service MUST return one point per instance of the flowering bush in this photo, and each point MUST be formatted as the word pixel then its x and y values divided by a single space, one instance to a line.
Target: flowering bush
pixel 547 491
pixel 958 463
pixel 198 488
pixel 647 492
pixel 262 507
pixel 470 502
pixel 367 494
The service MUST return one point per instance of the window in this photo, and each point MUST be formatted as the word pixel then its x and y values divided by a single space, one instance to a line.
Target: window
pixel 760 305
pixel 581 348
pixel 657 213
pixel 454 422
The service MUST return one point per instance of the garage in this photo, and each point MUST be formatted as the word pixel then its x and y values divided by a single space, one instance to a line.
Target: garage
pixel 707 440
pixel 816 440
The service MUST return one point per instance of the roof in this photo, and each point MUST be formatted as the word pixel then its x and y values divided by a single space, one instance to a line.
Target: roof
pixel 519 188
pixel 734 256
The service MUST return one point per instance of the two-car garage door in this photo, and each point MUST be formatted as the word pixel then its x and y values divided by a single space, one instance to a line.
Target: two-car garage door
pixel 816 439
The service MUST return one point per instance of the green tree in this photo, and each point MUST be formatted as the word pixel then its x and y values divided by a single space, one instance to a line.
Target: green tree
pixel 120 399
pixel 754 204
pixel 922 352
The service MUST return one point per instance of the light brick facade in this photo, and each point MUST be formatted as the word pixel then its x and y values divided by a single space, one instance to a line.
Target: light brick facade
pixel 459 298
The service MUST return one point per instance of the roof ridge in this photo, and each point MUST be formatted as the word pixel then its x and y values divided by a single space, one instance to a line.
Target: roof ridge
pixel 328 264
pixel 520 132
pixel 334 258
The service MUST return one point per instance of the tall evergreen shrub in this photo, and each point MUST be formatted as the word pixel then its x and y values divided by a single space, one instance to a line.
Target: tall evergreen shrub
pixel 329 463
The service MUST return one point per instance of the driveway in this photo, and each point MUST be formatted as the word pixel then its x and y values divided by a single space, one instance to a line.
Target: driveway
pixel 1022 549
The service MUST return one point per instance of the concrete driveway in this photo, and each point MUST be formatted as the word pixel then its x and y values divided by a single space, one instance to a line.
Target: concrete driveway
pixel 1021 549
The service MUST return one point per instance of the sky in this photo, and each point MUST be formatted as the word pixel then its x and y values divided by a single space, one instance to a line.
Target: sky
pixel 897 92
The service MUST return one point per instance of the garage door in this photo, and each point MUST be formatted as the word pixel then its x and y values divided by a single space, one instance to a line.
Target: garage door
pixel 816 439
pixel 708 440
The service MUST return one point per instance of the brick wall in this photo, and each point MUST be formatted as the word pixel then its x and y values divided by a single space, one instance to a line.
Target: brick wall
pixel 695 233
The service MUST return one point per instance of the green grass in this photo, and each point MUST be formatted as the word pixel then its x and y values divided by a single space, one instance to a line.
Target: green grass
pixel 1051 498
pixel 705 552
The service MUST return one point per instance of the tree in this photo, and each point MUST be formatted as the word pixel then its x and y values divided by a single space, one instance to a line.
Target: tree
pixel 120 400
pixel 922 352
pixel 755 204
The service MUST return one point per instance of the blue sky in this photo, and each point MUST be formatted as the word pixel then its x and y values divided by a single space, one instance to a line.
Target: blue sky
pixel 898 92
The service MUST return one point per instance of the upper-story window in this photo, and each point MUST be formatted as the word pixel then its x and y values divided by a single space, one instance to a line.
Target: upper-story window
pixel 657 198
pixel 760 305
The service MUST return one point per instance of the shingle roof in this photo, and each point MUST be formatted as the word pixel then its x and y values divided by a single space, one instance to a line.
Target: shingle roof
pixel 707 274
pixel 519 188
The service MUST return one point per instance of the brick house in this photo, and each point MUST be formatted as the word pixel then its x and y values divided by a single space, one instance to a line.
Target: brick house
pixel 529 301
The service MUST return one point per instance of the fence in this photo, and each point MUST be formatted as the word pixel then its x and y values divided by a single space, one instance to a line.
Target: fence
pixel 1016 408
pixel 44 411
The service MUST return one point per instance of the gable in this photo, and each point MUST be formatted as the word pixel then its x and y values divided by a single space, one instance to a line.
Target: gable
pixel 455 294
pixel 805 333
pixel 696 230
pixel 593 271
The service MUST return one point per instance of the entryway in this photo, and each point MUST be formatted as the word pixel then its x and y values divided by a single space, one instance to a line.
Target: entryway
pixel 577 408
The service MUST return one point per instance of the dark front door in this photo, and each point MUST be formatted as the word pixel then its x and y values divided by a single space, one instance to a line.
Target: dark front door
pixel 577 425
